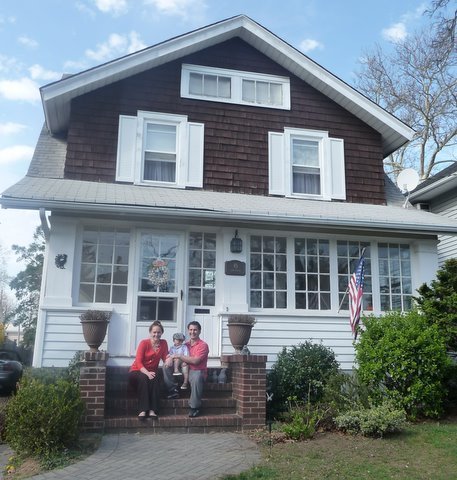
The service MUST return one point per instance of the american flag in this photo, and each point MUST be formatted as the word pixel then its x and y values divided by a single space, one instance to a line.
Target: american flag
pixel 356 294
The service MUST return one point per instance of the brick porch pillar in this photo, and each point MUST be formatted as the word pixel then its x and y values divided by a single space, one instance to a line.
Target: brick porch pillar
pixel 92 386
pixel 248 374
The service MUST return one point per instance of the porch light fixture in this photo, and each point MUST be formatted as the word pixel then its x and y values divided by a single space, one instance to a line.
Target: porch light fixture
pixel 236 244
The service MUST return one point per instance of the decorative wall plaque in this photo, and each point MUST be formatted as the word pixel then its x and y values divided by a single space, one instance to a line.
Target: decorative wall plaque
pixel 235 267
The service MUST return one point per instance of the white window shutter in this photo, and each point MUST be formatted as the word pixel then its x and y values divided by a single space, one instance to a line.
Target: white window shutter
pixel 126 148
pixel 337 168
pixel 276 167
pixel 196 137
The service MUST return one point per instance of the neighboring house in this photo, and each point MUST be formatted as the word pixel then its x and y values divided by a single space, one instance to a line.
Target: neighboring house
pixel 218 172
pixel 438 194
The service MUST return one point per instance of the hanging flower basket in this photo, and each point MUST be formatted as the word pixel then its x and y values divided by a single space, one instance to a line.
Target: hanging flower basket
pixel 158 273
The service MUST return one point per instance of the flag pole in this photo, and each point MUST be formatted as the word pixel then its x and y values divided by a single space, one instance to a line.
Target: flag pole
pixel 342 300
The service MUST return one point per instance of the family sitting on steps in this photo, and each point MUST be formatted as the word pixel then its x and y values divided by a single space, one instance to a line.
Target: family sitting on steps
pixel 191 357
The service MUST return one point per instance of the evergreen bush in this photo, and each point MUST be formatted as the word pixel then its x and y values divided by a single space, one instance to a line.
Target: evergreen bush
pixel 301 372
pixel 438 302
pixel 403 358
pixel 43 419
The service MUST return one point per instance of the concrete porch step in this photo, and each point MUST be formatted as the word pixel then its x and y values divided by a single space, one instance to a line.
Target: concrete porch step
pixel 205 423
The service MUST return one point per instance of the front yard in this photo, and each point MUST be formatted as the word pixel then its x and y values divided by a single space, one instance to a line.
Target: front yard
pixel 424 451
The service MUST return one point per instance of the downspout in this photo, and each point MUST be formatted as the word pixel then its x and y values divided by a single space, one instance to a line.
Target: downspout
pixel 39 334
pixel 45 225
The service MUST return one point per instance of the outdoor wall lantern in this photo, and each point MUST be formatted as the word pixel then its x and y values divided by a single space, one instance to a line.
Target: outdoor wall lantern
pixel 236 244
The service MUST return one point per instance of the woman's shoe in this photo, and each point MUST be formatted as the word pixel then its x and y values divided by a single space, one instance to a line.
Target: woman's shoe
pixel 184 386
pixel 153 414
pixel 142 416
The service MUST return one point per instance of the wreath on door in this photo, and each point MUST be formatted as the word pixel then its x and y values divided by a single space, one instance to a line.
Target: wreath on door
pixel 158 273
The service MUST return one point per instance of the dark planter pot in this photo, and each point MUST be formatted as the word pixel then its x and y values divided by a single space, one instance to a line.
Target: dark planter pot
pixel 239 334
pixel 94 332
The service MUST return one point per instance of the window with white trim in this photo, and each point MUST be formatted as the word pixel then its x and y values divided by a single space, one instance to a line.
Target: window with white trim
pixel 235 86
pixel 297 273
pixel 305 155
pixel 312 274
pixel 268 272
pixel 348 256
pixel 160 149
pixel 157 290
pixel 306 163
pixel 395 276
pixel 160 152
pixel 202 269
pixel 104 265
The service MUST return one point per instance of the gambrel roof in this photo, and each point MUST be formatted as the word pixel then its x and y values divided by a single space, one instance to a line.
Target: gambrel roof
pixel 57 96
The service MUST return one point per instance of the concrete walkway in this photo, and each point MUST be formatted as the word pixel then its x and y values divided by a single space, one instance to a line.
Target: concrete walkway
pixel 166 456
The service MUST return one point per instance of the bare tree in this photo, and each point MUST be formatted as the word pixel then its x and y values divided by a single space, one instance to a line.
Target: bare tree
pixel 445 21
pixel 417 82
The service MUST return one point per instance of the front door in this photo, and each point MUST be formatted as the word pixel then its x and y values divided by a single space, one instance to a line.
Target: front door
pixel 201 288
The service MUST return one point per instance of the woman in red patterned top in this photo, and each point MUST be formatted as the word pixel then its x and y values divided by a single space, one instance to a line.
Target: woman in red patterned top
pixel 143 372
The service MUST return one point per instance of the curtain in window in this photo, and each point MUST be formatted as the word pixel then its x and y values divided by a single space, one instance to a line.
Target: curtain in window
pixel 306 183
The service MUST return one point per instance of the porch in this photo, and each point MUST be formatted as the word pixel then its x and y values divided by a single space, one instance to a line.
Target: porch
pixel 238 404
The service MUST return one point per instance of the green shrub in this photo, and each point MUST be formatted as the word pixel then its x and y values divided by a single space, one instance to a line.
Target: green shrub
pixel 345 391
pixel 373 422
pixel 301 420
pixel 403 358
pixel 74 367
pixel 438 302
pixel 46 375
pixel 301 372
pixel 43 419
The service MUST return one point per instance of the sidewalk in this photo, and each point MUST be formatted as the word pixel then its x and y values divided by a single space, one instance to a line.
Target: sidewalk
pixel 166 456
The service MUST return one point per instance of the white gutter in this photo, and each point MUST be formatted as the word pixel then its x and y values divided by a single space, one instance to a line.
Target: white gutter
pixel 436 188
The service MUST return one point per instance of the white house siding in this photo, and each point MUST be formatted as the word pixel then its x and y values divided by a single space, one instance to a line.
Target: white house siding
pixel 272 332
pixel 447 246
pixel 59 333
pixel 61 336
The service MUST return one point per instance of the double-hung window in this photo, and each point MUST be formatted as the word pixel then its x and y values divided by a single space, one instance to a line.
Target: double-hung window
pixel 306 163
pixel 160 149
pixel 160 152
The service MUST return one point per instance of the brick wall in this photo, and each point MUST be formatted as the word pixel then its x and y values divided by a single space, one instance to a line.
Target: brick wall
pixel 92 387
pixel 248 374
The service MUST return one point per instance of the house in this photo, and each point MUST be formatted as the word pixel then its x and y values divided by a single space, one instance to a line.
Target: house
pixel 218 172
pixel 437 194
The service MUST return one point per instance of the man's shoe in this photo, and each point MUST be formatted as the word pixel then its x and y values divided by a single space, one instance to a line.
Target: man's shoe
pixel 173 394
pixel 177 374
pixel 194 412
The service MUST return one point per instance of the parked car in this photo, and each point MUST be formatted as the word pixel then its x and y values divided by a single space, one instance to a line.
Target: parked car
pixel 11 370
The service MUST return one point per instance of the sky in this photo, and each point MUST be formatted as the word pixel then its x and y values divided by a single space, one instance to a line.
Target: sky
pixel 40 40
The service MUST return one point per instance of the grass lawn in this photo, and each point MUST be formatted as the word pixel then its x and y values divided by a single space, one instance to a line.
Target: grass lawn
pixel 423 451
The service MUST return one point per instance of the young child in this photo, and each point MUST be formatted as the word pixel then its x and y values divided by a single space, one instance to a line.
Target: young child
pixel 180 348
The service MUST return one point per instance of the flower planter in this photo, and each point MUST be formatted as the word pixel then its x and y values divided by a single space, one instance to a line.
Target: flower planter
pixel 240 327
pixel 94 324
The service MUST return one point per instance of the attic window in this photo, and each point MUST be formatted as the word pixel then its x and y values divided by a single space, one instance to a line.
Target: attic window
pixel 235 86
